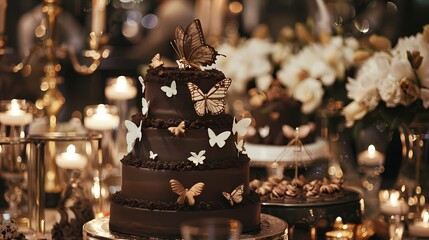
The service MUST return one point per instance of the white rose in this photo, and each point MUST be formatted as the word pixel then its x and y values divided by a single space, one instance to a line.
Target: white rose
pixel 310 93
pixel 354 111
pixel 390 91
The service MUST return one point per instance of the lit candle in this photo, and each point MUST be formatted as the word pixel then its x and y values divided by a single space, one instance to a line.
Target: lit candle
pixel 420 228
pixel 15 116
pixel 120 89
pixel 339 235
pixel 371 157
pixel 101 120
pixel 70 159
pixel 394 206
pixel 98 16
pixel 3 6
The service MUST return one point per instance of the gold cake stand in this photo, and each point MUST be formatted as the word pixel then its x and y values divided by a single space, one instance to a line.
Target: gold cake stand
pixel 272 228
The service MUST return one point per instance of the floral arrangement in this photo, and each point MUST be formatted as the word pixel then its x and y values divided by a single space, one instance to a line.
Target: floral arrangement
pixel 305 65
pixel 317 67
pixel 393 83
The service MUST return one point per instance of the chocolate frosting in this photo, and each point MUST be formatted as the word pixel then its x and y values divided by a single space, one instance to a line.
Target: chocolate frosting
pixel 179 105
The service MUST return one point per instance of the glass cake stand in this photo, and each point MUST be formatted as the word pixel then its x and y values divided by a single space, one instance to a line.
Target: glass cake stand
pixel 265 155
pixel 272 228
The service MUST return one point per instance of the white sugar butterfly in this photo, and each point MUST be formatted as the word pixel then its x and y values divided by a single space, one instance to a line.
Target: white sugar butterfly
pixel 133 133
pixel 152 155
pixel 197 159
pixel 214 101
pixel 240 146
pixel 264 131
pixel 184 193
pixel 241 126
pixel 236 196
pixel 299 132
pixel 142 83
pixel 170 91
pixel 218 139
pixel 145 106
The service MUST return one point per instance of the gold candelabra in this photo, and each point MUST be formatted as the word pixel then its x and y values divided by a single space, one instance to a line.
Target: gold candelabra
pixel 52 100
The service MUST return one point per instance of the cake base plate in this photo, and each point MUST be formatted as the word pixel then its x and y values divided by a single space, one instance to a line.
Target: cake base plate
pixel 271 228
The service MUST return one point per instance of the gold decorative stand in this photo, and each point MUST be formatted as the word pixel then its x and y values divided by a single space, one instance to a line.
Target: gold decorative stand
pixel 272 228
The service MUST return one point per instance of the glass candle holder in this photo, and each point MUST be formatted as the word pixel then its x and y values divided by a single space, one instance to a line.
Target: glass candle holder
pixel 119 91
pixel 15 117
pixel 104 119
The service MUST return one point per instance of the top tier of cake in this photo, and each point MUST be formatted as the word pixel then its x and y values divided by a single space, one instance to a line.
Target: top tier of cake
pixel 178 105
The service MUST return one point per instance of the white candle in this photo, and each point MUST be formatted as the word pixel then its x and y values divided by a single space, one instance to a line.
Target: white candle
pixel 394 206
pixel 3 7
pixel 121 89
pixel 70 159
pixel 101 120
pixel 420 228
pixel 98 22
pixel 371 157
pixel 15 116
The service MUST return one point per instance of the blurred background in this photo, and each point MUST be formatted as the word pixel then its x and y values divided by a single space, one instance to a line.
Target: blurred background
pixel 138 29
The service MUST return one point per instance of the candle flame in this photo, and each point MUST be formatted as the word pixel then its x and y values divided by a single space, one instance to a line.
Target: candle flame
pixel 121 83
pixel 71 148
pixel 394 196
pixel 101 109
pixel 339 220
pixel 425 215
pixel 371 150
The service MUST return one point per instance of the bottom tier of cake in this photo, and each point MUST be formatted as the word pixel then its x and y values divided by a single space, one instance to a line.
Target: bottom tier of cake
pixel 166 223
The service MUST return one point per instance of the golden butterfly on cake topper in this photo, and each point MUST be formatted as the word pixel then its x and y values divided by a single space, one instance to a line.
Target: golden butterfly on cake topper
pixel 190 45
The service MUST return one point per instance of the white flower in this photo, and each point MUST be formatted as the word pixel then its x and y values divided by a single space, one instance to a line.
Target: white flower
pixel 263 82
pixel 390 91
pixel 281 53
pixel 310 93
pixel 354 111
pixel 424 95
pixel 289 74
pixel 364 87
pixel 249 60
pixel 197 159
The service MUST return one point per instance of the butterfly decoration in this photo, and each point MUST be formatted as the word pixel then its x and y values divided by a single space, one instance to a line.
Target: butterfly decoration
pixel 145 106
pixel 197 159
pixel 264 131
pixel 170 91
pixel 240 127
pixel 236 196
pixel 133 133
pixel 177 131
pixel 212 102
pixel 156 61
pixel 186 194
pixel 240 146
pixel 299 132
pixel 152 155
pixel 191 47
pixel 141 80
pixel 218 139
